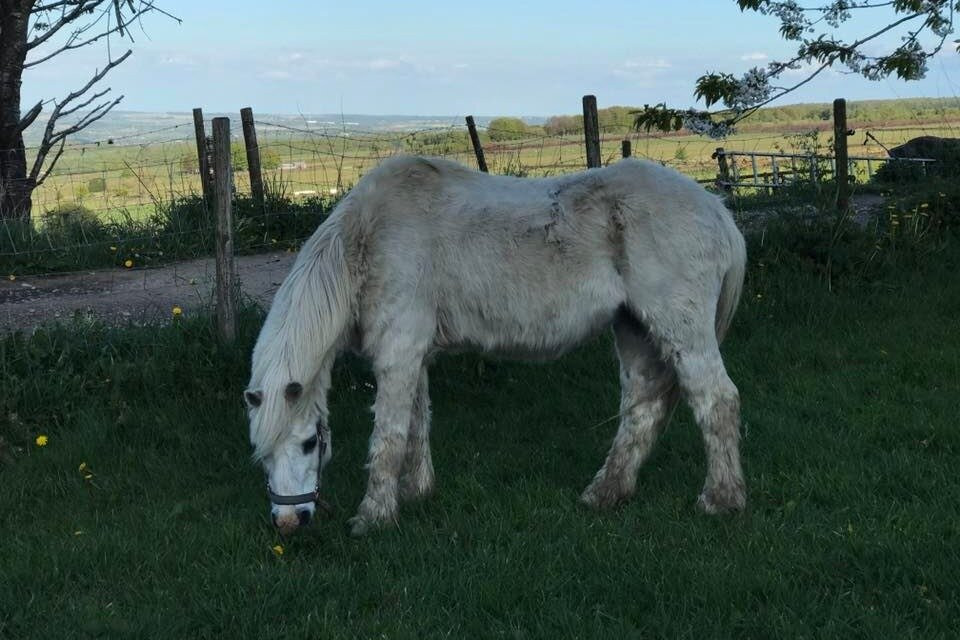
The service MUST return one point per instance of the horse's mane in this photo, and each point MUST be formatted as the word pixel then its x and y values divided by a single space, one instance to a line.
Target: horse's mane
pixel 307 318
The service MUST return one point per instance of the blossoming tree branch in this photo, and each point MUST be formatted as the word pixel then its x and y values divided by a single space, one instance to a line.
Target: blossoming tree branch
pixel 923 27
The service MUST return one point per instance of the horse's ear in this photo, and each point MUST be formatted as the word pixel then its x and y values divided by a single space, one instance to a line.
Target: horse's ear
pixel 293 391
pixel 253 398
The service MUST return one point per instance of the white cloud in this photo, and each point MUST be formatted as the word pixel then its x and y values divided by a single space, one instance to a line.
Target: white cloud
pixel 382 64
pixel 276 74
pixel 658 63
pixel 755 56
pixel 178 60
pixel 642 73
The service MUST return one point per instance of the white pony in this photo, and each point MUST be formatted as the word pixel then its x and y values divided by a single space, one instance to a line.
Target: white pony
pixel 425 255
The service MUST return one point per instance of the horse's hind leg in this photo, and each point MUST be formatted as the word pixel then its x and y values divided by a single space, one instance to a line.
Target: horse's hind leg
pixel 691 345
pixel 393 411
pixel 647 398
pixel 416 479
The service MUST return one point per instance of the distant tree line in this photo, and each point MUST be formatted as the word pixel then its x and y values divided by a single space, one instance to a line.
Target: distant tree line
pixel 904 109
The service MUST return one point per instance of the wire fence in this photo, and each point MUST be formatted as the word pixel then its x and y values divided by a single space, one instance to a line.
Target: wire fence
pixel 132 204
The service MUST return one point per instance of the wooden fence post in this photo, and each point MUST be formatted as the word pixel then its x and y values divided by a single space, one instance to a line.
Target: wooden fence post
pixel 625 148
pixel 842 170
pixel 253 154
pixel 591 131
pixel 477 147
pixel 723 176
pixel 223 176
pixel 202 165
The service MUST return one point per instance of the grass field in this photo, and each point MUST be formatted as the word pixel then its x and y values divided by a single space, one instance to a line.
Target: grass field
pixel 143 517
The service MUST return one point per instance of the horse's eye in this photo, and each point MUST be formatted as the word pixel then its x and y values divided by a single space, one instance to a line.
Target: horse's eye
pixel 309 444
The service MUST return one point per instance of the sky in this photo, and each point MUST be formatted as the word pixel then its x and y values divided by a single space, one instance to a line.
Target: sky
pixel 425 57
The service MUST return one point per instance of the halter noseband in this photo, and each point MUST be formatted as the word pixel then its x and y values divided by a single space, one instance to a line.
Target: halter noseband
pixel 304 498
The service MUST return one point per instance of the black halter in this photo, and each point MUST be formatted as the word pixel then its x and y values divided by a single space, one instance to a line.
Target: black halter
pixel 304 498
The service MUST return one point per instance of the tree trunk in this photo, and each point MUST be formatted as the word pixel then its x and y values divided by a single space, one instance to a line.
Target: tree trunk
pixel 16 187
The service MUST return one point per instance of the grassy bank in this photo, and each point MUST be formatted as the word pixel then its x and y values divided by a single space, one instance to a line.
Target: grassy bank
pixel 143 517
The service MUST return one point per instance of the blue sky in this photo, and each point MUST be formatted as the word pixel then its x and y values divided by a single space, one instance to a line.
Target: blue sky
pixel 424 57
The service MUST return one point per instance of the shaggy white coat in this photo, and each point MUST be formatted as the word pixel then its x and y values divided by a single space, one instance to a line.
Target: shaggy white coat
pixel 426 255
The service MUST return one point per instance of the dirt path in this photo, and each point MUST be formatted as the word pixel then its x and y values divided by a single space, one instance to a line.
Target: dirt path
pixel 124 295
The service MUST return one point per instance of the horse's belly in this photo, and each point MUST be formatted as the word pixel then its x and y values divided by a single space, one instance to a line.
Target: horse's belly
pixel 529 320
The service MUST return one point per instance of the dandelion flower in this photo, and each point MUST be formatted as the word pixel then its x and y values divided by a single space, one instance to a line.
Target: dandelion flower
pixel 177 311
pixel 278 549
pixel 42 440
pixel 128 263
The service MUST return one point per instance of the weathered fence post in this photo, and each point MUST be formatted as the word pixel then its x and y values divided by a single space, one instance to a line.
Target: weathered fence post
pixel 723 177
pixel 625 148
pixel 842 170
pixel 591 131
pixel 223 189
pixel 202 165
pixel 253 154
pixel 477 147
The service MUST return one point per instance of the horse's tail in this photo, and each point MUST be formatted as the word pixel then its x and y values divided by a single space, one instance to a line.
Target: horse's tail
pixel 732 282
pixel 309 316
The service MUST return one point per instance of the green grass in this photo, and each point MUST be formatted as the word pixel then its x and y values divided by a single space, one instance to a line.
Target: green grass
pixel 851 449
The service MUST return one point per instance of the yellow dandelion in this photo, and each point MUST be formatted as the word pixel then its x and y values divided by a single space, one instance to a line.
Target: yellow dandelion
pixel 177 311
pixel 42 440
pixel 128 263
pixel 278 549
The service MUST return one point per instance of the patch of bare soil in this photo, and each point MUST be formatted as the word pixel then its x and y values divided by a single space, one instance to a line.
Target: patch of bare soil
pixel 121 296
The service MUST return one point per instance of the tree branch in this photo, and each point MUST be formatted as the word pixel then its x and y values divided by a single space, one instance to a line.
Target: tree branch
pixel 73 44
pixel 51 137
pixel 29 117
pixel 66 17
pixel 53 163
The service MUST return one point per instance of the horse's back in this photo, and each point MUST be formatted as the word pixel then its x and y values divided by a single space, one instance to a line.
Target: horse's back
pixel 531 265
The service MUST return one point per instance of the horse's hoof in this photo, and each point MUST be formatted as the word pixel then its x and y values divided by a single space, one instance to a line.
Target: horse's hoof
pixel 358 526
pixel 718 500
pixel 603 496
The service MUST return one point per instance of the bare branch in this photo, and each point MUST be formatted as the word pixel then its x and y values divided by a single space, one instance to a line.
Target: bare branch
pixel 29 117
pixel 53 163
pixel 95 96
pixel 52 137
pixel 72 42
pixel 66 18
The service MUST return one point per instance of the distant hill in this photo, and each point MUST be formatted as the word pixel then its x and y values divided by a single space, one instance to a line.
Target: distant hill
pixel 132 127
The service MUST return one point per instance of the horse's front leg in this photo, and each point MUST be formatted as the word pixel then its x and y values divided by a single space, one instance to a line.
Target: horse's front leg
pixel 416 480
pixel 393 411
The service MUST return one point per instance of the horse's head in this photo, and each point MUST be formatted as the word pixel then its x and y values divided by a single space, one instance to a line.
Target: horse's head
pixel 290 438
